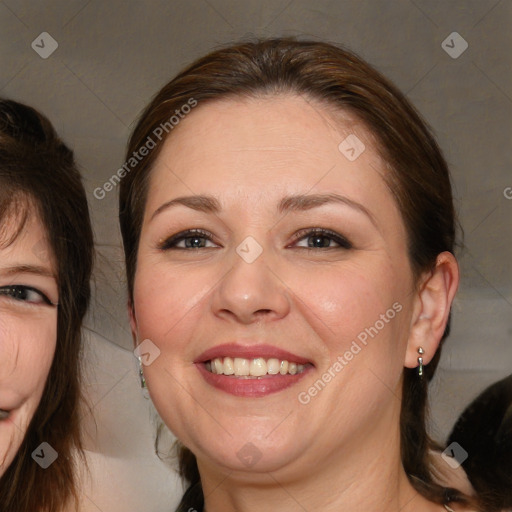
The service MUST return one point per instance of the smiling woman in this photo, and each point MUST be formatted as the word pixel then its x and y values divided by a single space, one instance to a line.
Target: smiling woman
pixel 45 266
pixel 293 237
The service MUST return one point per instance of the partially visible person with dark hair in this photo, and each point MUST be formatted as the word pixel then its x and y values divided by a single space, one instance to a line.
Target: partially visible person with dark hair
pixel 484 430
pixel 46 258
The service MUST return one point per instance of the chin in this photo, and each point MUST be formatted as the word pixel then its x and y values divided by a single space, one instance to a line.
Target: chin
pixel 248 454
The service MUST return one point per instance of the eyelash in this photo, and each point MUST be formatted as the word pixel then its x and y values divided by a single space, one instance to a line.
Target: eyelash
pixel 13 291
pixel 171 242
pixel 342 242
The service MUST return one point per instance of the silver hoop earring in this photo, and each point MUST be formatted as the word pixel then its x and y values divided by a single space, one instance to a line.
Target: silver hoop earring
pixel 420 362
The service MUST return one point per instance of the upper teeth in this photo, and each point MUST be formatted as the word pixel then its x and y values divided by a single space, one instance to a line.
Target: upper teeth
pixel 258 367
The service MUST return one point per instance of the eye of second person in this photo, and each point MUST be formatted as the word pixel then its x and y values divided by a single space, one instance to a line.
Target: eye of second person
pixel 319 241
pixel 195 241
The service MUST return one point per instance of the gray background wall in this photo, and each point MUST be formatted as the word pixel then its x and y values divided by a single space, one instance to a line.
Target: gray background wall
pixel 112 56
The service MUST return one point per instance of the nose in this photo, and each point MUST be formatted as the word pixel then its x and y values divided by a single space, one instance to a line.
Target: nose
pixel 251 292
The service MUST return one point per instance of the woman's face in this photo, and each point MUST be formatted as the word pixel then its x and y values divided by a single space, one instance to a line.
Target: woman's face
pixel 28 330
pixel 271 246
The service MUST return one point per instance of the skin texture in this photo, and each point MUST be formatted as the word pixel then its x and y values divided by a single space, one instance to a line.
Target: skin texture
pixel 249 154
pixel 28 330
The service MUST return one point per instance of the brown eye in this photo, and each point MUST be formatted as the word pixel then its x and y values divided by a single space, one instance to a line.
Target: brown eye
pixel 319 241
pixel 25 294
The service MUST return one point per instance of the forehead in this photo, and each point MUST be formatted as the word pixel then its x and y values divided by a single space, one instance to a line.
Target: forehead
pixel 267 146
pixel 23 236
pixel 276 138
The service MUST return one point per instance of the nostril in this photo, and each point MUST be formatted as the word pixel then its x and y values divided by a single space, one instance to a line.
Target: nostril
pixel 263 311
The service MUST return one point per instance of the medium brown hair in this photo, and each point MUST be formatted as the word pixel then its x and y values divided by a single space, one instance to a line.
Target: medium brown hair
pixel 38 175
pixel 418 179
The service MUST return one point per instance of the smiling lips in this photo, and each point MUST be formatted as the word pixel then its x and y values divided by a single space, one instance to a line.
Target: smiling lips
pixel 251 371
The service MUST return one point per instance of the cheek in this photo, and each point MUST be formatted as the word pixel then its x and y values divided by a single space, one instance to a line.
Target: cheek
pixel 167 302
pixel 360 312
pixel 361 315
pixel 348 300
pixel 27 349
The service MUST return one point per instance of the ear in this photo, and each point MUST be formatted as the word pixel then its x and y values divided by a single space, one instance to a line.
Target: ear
pixel 133 323
pixel 431 311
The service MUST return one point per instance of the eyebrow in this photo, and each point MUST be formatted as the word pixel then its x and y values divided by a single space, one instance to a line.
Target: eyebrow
pixel 303 202
pixel 207 204
pixel 27 269
pixel 300 202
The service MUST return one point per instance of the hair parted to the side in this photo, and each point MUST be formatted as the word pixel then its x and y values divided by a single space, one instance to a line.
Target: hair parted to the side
pixel 38 176
pixel 418 179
